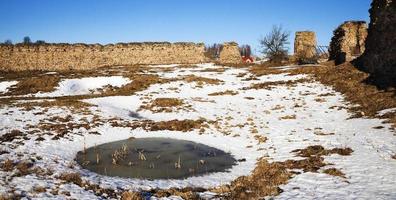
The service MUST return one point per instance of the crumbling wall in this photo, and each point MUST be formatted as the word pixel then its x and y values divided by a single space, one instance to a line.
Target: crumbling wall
pixel 230 54
pixel 82 56
pixel 348 41
pixel 305 45
pixel 379 59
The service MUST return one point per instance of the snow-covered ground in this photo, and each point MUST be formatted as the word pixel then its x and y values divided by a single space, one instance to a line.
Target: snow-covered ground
pixel 5 85
pixel 80 86
pixel 370 171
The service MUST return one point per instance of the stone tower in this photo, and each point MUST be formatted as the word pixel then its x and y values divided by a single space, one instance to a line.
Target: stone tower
pixel 230 54
pixel 305 44
pixel 348 41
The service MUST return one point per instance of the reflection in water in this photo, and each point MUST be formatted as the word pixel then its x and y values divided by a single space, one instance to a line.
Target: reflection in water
pixel 154 158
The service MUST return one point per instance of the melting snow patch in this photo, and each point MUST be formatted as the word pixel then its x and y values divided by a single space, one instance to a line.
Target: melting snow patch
pixel 5 85
pixel 386 111
pixel 69 87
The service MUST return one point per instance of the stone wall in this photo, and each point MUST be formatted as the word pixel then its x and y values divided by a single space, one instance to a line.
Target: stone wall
pixel 348 41
pixel 82 56
pixel 305 45
pixel 230 54
pixel 380 56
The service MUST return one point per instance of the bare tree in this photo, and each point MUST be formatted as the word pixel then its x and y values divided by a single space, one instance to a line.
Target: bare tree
pixel 40 42
pixel 27 40
pixel 274 44
pixel 245 50
pixel 213 51
pixel 8 42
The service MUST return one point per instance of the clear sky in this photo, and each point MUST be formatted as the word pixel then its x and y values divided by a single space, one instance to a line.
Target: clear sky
pixel 208 21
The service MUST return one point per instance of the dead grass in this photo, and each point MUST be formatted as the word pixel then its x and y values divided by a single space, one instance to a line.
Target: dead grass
pixel 7 165
pixel 310 164
pixel 264 181
pixel 318 150
pixel 185 193
pixel 139 82
pixel 273 84
pixel 220 69
pixel 260 138
pixel 266 68
pixel 227 92
pixel 201 80
pixel 72 178
pixel 334 172
pixel 286 117
pixel 31 85
pixel 163 105
pixel 174 125
pixel 127 195
pixel 24 168
pixel 12 135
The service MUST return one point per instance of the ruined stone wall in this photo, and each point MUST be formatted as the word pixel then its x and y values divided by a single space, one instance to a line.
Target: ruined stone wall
pixel 82 56
pixel 230 54
pixel 305 44
pixel 348 41
pixel 380 56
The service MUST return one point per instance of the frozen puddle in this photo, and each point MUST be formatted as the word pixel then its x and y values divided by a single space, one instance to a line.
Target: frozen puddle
pixel 155 158
pixel 81 86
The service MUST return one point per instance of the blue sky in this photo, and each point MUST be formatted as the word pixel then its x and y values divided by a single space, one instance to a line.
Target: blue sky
pixel 209 21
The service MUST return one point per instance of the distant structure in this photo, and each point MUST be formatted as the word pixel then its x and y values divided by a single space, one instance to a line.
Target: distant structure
pixel 379 58
pixel 61 57
pixel 305 45
pixel 247 59
pixel 348 41
pixel 230 54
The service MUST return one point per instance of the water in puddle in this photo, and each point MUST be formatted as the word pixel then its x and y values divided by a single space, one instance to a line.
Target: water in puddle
pixel 154 158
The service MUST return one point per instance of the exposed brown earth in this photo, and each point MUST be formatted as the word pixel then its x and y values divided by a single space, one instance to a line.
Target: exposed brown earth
pixel 227 92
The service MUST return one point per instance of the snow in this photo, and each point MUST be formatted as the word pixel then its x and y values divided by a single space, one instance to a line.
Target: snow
pixel 370 170
pixel 80 86
pixel 4 85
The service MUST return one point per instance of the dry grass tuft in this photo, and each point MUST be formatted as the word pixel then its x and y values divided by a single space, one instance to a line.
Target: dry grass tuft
pixel 185 193
pixel 201 80
pixel 24 167
pixel 139 82
pixel 72 178
pixel 34 84
pixel 163 104
pixel 273 84
pixel 288 117
pixel 266 68
pixel 334 172
pixel 220 69
pixel 260 138
pixel 127 195
pixel 310 164
pixel 227 92
pixel 318 150
pixel 174 125
pixel 8 165
pixel 264 181
pixel 9 137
